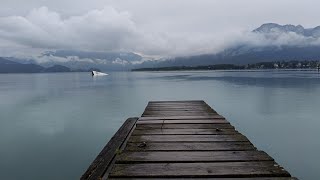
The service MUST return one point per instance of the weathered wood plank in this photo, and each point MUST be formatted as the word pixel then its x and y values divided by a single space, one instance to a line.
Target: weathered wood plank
pixel 184 126
pixel 170 114
pixel 177 113
pixel 183 117
pixel 161 108
pixel 180 107
pixel 252 178
pixel 191 146
pixel 201 121
pixel 153 114
pixel 188 138
pixel 105 157
pixel 224 169
pixel 178 103
pixel 179 110
pixel 191 156
pixel 183 131
pixel 191 101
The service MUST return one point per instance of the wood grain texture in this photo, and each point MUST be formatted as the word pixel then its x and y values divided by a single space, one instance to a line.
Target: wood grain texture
pixel 184 101
pixel 153 114
pixel 188 138
pixel 252 178
pixel 183 131
pixel 184 126
pixel 184 139
pixel 182 117
pixel 200 121
pixel 161 108
pixel 192 156
pixel 225 169
pixel 192 146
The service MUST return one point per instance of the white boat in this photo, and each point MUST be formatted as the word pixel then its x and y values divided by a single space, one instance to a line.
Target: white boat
pixel 97 73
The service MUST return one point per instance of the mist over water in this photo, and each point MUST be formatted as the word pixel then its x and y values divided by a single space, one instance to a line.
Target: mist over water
pixel 52 126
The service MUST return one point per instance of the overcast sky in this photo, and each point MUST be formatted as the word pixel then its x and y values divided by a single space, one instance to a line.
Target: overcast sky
pixel 148 27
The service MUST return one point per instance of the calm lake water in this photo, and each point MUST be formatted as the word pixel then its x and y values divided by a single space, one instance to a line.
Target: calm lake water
pixel 53 125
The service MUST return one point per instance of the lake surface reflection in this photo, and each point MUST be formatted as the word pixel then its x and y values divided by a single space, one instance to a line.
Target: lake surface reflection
pixel 53 125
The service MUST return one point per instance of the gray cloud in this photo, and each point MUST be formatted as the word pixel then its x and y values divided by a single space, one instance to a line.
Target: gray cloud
pixel 105 29
pixel 151 28
pixel 99 30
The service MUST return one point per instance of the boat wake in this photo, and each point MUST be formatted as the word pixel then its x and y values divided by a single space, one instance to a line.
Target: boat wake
pixel 96 73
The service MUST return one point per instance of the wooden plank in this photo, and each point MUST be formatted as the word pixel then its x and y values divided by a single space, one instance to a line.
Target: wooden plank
pixel 191 156
pixel 177 103
pixel 183 131
pixel 191 146
pixel 252 178
pixel 184 101
pixel 177 110
pixel 183 109
pixel 221 169
pixel 177 113
pixel 171 114
pixel 184 126
pixel 182 113
pixel 105 157
pixel 205 121
pixel 187 138
pixel 183 117
pixel 196 107
pixel 180 107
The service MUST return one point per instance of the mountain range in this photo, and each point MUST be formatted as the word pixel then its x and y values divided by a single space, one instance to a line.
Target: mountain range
pixel 267 43
pixel 272 27
pixel 307 47
pixel 8 66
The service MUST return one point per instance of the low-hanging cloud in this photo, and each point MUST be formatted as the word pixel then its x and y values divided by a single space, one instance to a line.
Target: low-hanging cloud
pixel 108 29
pixel 105 29
pixel 99 30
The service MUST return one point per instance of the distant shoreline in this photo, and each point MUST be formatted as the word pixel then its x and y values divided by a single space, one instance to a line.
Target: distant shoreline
pixel 282 65
pixel 230 70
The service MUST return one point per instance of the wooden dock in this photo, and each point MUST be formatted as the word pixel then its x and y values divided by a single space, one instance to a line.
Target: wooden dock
pixel 179 140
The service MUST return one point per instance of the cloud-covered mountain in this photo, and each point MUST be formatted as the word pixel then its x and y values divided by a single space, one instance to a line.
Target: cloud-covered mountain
pixel 73 59
pixel 89 59
pixel 269 42
pixel 108 56
pixel 8 66
pixel 299 30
